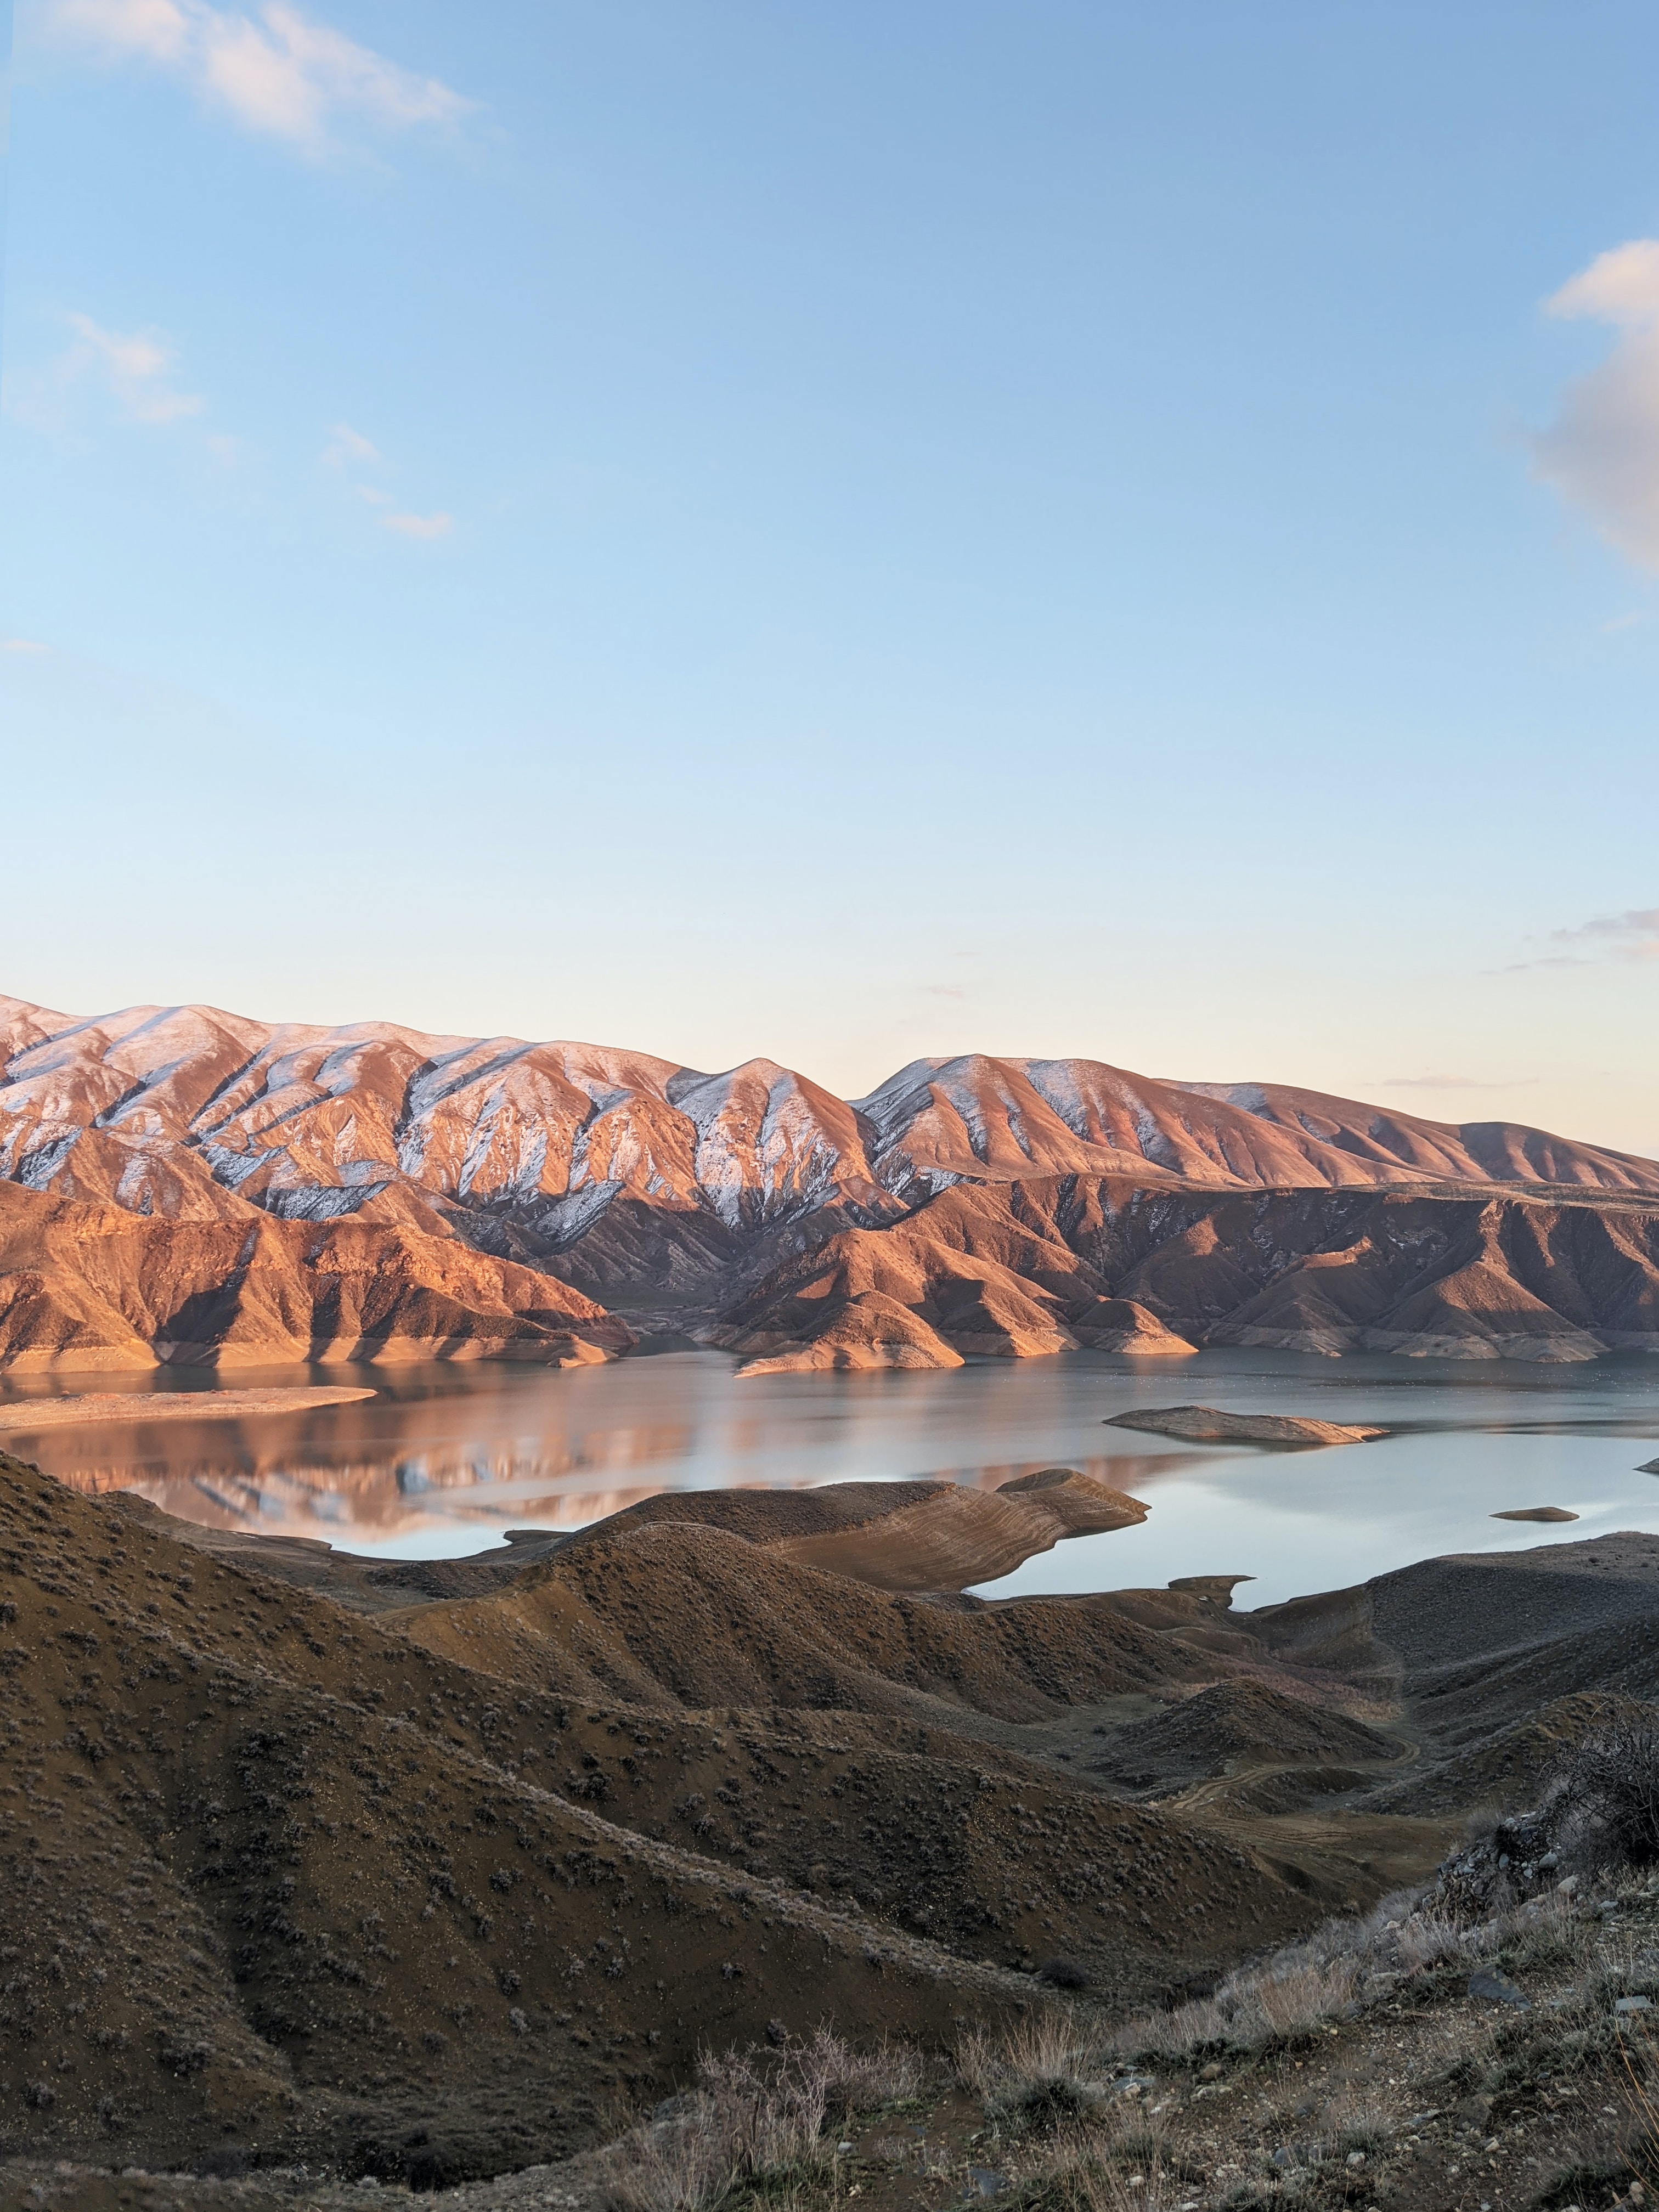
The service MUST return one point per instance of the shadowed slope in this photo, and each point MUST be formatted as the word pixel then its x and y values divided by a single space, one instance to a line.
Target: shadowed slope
pixel 1023 1269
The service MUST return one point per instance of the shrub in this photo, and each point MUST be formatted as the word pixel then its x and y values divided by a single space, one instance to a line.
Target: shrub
pixel 752 2117
pixel 1063 1974
pixel 1607 1796
pixel 224 2162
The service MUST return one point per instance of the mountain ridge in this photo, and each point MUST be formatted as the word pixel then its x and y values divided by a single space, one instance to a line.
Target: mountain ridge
pixel 260 1106
pixel 967 1205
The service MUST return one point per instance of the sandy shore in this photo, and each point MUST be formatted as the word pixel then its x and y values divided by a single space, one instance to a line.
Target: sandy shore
pixel 28 1415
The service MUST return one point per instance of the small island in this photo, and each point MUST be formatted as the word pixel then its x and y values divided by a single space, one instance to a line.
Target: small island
pixel 1203 1424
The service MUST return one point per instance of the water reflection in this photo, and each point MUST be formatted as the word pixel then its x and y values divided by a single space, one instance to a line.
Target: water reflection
pixel 443 1459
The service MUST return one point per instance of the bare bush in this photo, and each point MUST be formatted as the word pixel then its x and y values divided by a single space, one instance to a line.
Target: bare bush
pixel 1338 1969
pixel 1607 1796
pixel 752 2118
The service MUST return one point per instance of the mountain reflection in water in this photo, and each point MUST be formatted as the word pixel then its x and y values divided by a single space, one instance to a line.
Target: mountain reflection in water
pixel 443 1459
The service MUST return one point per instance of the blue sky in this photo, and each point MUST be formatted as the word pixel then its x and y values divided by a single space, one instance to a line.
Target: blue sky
pixel 848 532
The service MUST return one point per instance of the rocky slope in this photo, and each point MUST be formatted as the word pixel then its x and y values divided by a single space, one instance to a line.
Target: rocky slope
pixel 285 1173
pixel 1033 1267
pixel 95 1287
pixel 191 1112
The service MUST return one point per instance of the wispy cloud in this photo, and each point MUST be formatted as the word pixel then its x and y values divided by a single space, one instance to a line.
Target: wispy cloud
pixel 1631 935
pixel 274 71
pixel 349 449
pixel 20 645
pixel 138 370
pixel 1455 1082
pixel 138 367
pixel 419 525
pixel 1602 450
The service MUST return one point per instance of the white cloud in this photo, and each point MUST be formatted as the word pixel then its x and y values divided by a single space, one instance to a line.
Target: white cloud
pixel 275 70
pixel 20 645
pixel 348 448
pixel 135 366
pixel 419 525
pixel 1602 450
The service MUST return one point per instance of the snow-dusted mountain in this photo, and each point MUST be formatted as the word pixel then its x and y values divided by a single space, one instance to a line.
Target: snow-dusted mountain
pixel 193 1114
pixel 981 1204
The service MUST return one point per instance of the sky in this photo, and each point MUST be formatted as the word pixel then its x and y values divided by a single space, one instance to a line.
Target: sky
pixel 845 533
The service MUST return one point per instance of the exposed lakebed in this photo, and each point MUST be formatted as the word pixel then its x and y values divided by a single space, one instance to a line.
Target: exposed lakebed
pixel 442 1459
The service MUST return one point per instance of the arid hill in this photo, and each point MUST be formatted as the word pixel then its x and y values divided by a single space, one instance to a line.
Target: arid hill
pixel 454 1878
pixel 309 1858
pixel 921 1536
pixel 1029 1268
pixel 966 1206
pixel 95 1287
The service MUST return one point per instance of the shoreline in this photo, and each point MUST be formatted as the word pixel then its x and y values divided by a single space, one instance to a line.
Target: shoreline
pixel 23 1416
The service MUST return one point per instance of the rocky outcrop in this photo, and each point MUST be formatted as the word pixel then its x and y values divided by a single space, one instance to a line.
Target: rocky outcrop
pixel 1121 1325
pixel 93 1287
pixel 867 1329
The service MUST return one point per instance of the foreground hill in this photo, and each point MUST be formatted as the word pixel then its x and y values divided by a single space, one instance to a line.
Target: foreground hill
pixel 471 1872
pixel 457 1885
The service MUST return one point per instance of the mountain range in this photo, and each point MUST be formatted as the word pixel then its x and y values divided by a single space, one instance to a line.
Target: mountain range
pixel 190 1184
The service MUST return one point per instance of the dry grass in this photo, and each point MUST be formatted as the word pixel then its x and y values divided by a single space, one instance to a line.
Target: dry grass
pixel 1361 2117
pixel 1342 1967
pixel 1034 2079
pixel 753 2118
pixel 1080 2177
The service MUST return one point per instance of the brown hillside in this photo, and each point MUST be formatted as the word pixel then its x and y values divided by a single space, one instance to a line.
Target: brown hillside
pixel 938 1536
pixel 282 1874
pixel 95 1287
pixel 1023 1269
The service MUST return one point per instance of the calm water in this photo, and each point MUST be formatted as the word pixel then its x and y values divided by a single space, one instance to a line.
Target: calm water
pixel 445 1458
